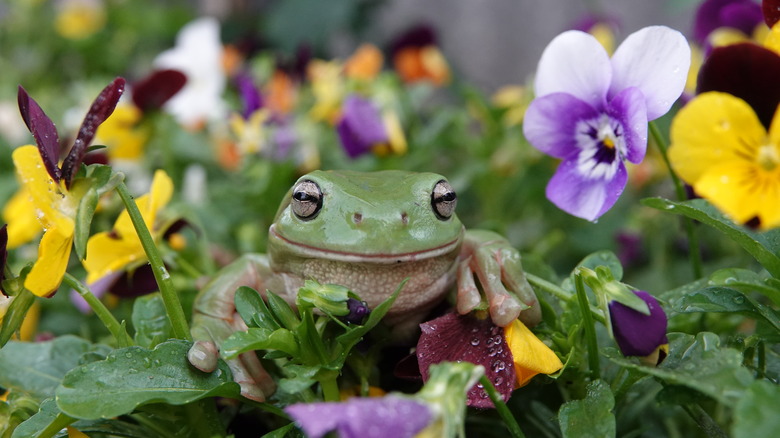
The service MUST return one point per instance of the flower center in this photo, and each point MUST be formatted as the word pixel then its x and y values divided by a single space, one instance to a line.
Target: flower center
pixel 600 142
pixel 768 158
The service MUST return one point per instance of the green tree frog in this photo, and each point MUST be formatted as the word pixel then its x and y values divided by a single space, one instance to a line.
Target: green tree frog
pixel 367 231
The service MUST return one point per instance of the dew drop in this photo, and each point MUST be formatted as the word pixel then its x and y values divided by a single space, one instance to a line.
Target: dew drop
pixel 475 341
pixel 739 300
pixel 128 355
pixel 111 358
pixel 499 380
pixel 147 362
pixel 492 351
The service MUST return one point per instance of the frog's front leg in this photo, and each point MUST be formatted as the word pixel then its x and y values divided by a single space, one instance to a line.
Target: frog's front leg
pixel 499 270
pixel 214 318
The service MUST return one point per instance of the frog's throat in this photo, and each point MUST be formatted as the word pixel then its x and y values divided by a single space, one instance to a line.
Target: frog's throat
pixel 353 257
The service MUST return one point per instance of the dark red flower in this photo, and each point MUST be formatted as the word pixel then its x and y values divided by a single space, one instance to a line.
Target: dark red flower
pixel 151 92
pixel 771 10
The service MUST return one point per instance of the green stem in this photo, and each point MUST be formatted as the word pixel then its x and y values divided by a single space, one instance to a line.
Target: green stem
pixel 60 422
pixel 13 320
pixel 703 419
pixel 170 298
pixel 501 408
pixel 106 317
pixel 330 388
pixel 560 293
pixel 204 419
pixel 590 329
pixel 693 238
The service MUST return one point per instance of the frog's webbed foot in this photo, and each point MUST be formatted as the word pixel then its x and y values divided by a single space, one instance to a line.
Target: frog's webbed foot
pixel 214 319
pixel 497 266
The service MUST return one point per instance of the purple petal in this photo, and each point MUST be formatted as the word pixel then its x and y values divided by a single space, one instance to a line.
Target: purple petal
pixel 3 255
pixel 151 92
pixel 575 63
pixel 656 60
pixel 101 108
pixel 713 14
pixel 550 122
pixel 637 334
pixel 744 16
pixel 385 417
pixel 44 131
pixel 250 95
pixel 98 289
pixel 628 107
pixel 361 126
pixel 457 338
pixel 583 197
pixel 747 71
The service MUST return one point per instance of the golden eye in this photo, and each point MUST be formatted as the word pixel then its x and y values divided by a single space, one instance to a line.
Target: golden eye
pixel 306 200
pixel 443 200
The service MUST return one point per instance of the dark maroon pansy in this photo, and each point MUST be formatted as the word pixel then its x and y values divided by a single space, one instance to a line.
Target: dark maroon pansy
pixel 771 10
pixel 743 15
pixel 3 254
pixel 151 92
pixel 459 338
pixel 747 71
pixel 45 133
pixel 638 334
pixel 361 126
pixel 421 35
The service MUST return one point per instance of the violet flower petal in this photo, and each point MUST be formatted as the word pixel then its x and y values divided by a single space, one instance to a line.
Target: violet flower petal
pixel 747 71
pixel 550 122
pixel 457 338
pixel 575 63
pixel 101 108
pixel 251 99
pixel 655 59
pixel 584 197
pixel 744 16
pixel 385 417
pixel 98 289
pixel 44 131
pixel 628 107
pixel 637 334
pixel 361 126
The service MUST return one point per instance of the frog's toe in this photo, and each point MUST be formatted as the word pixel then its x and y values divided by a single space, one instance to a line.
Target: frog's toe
pixel 532 315
pixel 504 309
pixel 203 355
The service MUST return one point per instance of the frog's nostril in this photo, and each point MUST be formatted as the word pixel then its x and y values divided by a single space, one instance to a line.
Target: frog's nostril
pixel 357 218
pixel 404 218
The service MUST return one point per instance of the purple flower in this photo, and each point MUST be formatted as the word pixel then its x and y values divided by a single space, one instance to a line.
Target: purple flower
pixel 251 99
pixel 361 126
pixel 743 15
pixel 385 417
pixel 635 333
pixel 3 254
pixel 592 111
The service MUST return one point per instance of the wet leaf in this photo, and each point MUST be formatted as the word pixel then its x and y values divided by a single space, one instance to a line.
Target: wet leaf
pixel 260 339
pixel 756 413
pixel 603 258
pixel 150 320
pixel 725 300
pixel 135 376
pixel 591 416
pixel 253 310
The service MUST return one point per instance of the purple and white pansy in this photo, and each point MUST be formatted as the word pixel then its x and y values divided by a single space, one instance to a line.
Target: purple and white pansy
pixel 592 111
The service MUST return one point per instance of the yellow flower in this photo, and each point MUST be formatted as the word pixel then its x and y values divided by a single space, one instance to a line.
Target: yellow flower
pixel 114 250
pixel 55 209
pixel 396 139
pixel 327 86
pixel 79 19
pixel 720 147
pixel 121 133
pixel 530 355
pixel 250 133
pixel 19 213
pixel 515 100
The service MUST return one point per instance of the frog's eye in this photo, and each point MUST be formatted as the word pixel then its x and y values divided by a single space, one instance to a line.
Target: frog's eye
pixel 443 200
pixel 306 199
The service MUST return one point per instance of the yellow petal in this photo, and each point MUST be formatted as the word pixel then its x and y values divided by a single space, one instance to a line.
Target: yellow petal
pixel 19 213
pixel 772 39
pixel 774 128
pixel 55 206
pixel 107 253
pixel 53 254
pixel 30 322
pixel 531 355
pixel 149 204
pixel 725 36
pixel 713 128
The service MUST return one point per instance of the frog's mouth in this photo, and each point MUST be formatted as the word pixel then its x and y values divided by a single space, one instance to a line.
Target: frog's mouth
pixel 309 251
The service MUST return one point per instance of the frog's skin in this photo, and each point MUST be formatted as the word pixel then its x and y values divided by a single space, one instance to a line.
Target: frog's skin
pixel 368 232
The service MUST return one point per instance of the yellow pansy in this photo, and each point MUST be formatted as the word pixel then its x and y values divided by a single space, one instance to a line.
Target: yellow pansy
pixel 79 19
pixel 20 215
pixel 719 146
pixel 122 135
pixel 250 133
pixel 114 250
pixel 530 355
pixel 55 209
pixel 327 86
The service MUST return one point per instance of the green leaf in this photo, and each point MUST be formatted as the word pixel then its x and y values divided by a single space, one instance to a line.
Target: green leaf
pixel 289 430
pixel 747 280
pixel 591 416
pixel 700 364
pixel 756 412
pixel 725 300
pixel 605 258
pixel 84 214
pixel 150 320
pixel 282 311
pixel 764 247
pixel 260 339
pixel 135 376
pixel 356 332
pixel 14 316
pixel 253 310
pixel 37 368
pixel 47 419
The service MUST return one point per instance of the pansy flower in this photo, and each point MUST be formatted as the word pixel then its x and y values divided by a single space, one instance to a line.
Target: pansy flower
pixel 725 143
pixel 365 64
pixel 720 22
pixel 511 355
pixel 49 185
pixel 771 11
pixel 111 253
pixel 362 128
pixel 197 54
pixel 638 334
pixel 80 19
pixel 592 111
pixel 416 56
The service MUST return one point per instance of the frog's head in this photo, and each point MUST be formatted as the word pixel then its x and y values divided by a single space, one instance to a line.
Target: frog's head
pixel 386 216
